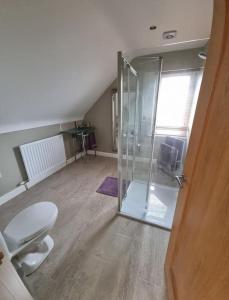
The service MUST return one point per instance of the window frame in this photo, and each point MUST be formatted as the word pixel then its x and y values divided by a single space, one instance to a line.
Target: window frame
pixel 179 130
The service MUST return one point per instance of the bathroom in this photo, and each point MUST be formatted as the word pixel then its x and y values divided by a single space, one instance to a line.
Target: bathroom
pixel 106 115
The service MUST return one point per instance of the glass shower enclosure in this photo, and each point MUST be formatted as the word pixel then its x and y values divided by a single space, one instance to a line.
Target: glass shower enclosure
pixel 138 87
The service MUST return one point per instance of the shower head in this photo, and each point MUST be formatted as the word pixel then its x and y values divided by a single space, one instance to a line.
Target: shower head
pixel 202 55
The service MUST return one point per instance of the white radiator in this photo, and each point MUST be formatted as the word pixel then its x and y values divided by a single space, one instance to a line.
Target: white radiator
pixel 43 158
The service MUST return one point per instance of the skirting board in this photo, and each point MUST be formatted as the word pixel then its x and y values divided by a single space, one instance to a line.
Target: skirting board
pixel 12 194
pixel 70 160
pixel 73 158
pixel 105 154
pixel 115 155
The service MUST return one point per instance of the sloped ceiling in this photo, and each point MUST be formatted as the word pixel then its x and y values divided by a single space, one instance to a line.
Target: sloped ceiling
pixel 58 56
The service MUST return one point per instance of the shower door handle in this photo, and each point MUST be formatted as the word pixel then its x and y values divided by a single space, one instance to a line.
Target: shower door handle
pixel 180 180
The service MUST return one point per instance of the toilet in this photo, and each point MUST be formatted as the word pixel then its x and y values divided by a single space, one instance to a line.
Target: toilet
pixel 26 240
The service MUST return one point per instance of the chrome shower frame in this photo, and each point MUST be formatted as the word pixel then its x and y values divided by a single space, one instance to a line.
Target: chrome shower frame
pixel 121 62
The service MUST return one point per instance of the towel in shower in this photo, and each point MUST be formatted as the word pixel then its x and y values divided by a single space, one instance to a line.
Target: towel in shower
pixel 178 143
pixel 168 157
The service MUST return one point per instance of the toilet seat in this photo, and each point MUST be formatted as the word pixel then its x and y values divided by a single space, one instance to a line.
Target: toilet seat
pixel 31 222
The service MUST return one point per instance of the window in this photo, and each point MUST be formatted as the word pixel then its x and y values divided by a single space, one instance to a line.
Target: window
pixel 177 94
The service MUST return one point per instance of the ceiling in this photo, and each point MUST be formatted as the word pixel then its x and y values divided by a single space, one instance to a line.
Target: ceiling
pixel 58 56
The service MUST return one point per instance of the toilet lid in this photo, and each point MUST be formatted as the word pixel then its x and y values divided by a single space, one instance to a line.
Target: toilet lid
pixel 30 222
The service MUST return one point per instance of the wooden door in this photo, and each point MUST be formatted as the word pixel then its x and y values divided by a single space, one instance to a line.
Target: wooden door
pixel 197 263
pixel 11 286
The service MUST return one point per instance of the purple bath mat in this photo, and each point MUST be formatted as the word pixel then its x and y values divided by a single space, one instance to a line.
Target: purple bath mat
pixel 109 187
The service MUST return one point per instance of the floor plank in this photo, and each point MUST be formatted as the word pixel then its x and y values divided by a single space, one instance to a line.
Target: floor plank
pixel 97 255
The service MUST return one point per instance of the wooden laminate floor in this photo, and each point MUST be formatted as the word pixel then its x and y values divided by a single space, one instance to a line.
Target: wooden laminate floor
pixel 97 255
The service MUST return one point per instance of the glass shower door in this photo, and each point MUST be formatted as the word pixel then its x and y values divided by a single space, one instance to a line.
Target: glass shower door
pixel 127 125
pixel 137 94
pixel 177 101
pixel 148 69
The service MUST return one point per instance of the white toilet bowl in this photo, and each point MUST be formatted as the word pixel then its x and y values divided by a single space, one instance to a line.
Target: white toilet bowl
pixel 26 238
